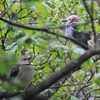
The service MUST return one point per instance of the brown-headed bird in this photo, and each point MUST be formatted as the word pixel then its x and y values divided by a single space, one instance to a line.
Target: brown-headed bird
pixel 22 74
pixel 71 31
pixel 86 38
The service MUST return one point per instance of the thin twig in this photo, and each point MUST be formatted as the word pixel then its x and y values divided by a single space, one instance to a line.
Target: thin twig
pixel 93 90
pixel 5 11
pixel 45 30
pixel 91 17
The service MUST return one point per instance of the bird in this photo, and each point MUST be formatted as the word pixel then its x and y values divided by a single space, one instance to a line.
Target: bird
pixel 72 32
pixel 86 38
pixel 21 75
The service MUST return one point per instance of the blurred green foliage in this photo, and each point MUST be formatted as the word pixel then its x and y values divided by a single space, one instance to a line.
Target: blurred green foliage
pixel 50 52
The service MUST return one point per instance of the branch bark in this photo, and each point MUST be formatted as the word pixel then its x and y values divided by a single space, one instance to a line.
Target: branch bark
pixel 44 30
pixel 59 74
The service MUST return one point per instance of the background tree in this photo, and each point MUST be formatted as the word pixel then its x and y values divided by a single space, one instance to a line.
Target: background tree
pixel 63 69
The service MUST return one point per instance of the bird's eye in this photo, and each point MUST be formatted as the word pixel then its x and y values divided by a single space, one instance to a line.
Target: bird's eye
pixel 24 59
pixel 70 19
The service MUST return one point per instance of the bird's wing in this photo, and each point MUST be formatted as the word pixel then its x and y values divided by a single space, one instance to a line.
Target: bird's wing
pixel 77 35
pixel 14 71
pixel 82 37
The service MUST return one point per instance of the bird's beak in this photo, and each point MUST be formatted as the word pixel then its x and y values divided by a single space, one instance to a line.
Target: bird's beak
pixel 64 20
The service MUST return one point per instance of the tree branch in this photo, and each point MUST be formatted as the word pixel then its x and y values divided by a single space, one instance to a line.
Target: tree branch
pixel 5 11
pixel 59 74
pixel 91 17
pixel 45 30
pixel 46 94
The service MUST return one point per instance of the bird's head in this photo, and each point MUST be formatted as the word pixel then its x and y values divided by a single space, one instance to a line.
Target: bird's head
pixel 25 59
pixel 71 19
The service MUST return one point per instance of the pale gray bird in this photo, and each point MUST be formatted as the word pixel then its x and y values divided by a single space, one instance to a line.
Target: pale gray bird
pixel 22 74
pixel 86 38
pixel 71 31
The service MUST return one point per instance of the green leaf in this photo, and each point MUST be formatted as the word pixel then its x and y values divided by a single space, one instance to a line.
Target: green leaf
pixel 43 43
pixel 74 98
pixel 23 13
pixel 77 50
pixel 53 45
pixel 96 79
pixel 42 9
pixel 2 52
pixel 1 7
pixel 80 27
pixel 35 40
pixel 7 60
pixel 31 5
pixel 63 48
pixel 21 41
pixel 40 21
pixel 18 34
pixel 12 48
pixel 47 6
